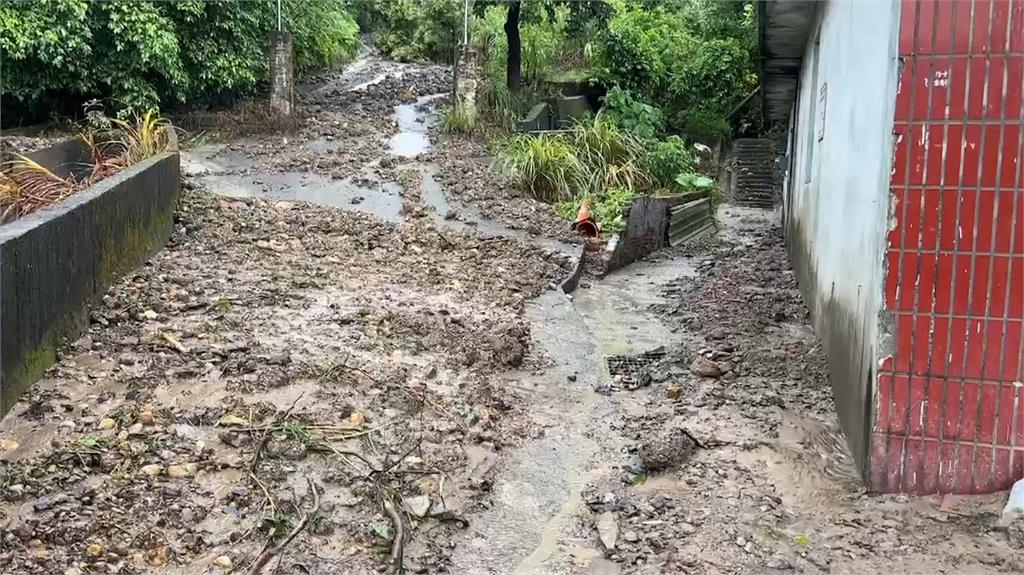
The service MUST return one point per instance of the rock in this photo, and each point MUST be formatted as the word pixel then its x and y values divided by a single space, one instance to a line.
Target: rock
pixel 152 469
pixel 72 571
pixel 106 423
pixel 704 367
pixel 9 445
pixel 608 529
pixel 357 418
pixel 149 315
pixel 717 333
pixel 94 550
pixel 673 391
pixel 135 429
pixel 1015 532
pixel 779 563
pixel 686 528
pixel 668 447
pixel 232 421
pixel 631 536
pixel 223 562
pixel 146 418
pixel 418 506
pixel 178 471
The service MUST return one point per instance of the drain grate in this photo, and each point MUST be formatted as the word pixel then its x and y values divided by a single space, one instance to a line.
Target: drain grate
pixel 632 371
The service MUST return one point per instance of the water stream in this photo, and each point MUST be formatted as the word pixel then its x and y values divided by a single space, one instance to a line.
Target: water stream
pixel 539 494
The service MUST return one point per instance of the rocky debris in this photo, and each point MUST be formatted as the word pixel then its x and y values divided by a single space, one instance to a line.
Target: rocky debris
pixel 284 342
pixel 607 526
pixel 771 460
pixel 419 505
pixel 778 563
pixel 467 174
pixel 1015 532
pixel 704 367
pixel 667 448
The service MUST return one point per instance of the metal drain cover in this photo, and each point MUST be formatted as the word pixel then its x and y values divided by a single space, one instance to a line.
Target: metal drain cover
pixel 632 371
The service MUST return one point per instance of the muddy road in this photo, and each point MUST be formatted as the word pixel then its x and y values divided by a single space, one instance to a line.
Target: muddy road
pixel 350 358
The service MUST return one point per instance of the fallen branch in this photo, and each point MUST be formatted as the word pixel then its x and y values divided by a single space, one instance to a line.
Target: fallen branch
pixel 398 543
pixel 275 550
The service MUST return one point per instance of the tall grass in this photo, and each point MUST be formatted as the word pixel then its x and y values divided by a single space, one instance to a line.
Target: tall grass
pixel 26 186
pixel 547 165
pixel 460 118
pixel 614 159
pixel 140 138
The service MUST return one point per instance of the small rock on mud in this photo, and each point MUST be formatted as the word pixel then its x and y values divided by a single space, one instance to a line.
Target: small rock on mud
pixel 669 447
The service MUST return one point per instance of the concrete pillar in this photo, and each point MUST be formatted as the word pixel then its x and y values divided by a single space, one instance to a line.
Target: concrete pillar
pixel 282 73
pixel 466 83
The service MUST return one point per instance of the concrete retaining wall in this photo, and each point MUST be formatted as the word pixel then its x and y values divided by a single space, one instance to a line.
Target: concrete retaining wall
pixel 54 262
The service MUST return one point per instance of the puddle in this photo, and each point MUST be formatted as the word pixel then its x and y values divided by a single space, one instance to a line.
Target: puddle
pixel 412 139
pixel 380 200
pixel 213 159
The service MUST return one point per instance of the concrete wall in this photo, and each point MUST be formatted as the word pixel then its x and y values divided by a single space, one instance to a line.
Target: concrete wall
pixel 836 201
pixel 54 262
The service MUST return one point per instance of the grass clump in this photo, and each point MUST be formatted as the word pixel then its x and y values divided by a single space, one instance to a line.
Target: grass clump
pixel 27 186
pixel 547 165
pixel 460 118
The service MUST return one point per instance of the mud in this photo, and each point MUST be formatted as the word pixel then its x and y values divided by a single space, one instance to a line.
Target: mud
pixel 770 486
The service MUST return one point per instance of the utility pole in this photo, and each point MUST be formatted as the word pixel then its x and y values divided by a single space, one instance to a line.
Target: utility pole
pixel 282 69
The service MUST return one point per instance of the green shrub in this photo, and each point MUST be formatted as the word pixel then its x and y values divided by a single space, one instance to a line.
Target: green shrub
pixel 414 30
pixel 633 114
pixel 146 53
pixel 668 158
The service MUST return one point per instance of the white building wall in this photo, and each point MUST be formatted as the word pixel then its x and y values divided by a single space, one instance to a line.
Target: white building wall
pixel 837 195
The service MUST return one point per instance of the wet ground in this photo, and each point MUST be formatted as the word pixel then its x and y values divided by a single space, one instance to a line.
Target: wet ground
pixel 350 359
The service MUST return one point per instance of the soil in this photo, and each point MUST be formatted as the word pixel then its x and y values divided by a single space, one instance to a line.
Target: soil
pixel 350 358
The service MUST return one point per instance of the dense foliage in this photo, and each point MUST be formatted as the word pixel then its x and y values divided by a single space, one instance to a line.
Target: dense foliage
pixel 412 30
pixel 147 53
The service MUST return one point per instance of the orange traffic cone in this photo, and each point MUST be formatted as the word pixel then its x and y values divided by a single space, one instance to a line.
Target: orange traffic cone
pixel 585 224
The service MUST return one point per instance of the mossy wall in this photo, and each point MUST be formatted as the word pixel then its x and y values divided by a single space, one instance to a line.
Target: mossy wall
pixel 55 262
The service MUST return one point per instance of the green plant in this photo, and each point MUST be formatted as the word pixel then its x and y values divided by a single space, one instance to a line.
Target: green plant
pixel 93 441
pixel 276 524
pixel 460 118
pixel 297 430
pixel 547 165
pixel 612 157
pixel 691 182
pixel 144 53
pixel 668 158
pixel 608 206
pixel 633 114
